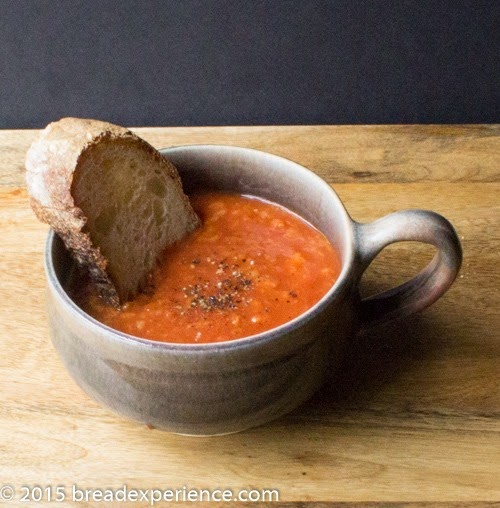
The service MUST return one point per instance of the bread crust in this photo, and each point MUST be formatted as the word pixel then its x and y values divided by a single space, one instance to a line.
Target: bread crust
pixel 51 163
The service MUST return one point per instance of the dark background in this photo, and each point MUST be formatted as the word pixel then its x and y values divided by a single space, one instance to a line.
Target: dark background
pixel 222 62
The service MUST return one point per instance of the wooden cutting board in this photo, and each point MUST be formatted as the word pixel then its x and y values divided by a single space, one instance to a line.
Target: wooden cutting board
pixel 412 415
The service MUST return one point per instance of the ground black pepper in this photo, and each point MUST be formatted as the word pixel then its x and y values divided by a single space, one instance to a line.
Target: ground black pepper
pixel 226 293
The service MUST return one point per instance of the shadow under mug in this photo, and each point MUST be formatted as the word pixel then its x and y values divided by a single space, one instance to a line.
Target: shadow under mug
pixel 218 388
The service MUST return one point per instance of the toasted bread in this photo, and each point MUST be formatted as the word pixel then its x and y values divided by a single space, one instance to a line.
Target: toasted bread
pixel 116 202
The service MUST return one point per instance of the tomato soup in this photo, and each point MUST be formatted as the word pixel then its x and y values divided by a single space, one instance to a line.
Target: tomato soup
pixel 252 265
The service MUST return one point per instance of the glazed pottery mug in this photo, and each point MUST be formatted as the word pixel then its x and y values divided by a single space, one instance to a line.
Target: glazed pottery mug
pixel 218 388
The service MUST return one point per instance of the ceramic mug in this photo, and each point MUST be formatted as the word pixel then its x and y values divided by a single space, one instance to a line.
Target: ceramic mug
pixel 218 388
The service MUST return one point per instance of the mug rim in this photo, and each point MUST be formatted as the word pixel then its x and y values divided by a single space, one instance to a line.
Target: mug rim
pixel 266 336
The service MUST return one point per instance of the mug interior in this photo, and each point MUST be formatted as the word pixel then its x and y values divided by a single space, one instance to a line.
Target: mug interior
pixel 250 172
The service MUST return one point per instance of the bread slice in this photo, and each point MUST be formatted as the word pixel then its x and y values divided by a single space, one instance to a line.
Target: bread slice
pixel 116 202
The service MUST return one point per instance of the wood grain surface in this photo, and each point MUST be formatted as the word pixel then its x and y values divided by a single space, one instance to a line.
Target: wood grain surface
pixel 413 415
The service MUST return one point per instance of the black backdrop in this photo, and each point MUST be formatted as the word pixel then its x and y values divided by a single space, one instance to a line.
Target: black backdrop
pixel 222 62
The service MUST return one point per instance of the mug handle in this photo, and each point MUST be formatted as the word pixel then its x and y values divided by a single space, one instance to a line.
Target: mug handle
pixel 427 286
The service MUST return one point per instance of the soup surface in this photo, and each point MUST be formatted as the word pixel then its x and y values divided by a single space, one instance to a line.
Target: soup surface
pixel 252 265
